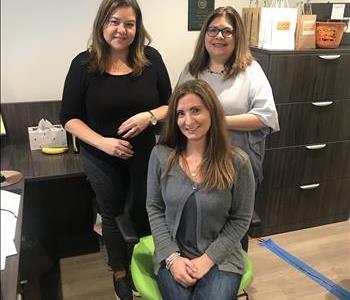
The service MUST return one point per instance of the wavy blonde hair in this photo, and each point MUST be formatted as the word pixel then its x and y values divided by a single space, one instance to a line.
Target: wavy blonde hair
pixel 99 49
pixel 217 168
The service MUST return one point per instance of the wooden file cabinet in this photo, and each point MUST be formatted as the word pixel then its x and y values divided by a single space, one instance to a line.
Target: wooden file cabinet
pixel 307 164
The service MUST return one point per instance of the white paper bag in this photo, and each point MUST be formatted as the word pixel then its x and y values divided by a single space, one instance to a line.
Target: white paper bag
pixel 277 28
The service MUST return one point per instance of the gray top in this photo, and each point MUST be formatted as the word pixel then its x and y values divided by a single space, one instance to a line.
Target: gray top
pixel 223 216
pixel 249 92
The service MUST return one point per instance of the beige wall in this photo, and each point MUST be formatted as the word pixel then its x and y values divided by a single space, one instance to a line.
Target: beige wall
pixel 39 38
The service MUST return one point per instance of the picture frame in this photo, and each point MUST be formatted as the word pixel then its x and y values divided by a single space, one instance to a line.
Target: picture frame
pixel 198 10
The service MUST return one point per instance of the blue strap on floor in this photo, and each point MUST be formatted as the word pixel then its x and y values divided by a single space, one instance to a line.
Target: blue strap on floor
pixel 332 287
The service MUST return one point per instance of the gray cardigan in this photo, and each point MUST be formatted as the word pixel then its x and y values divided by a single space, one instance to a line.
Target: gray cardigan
pixel 223 216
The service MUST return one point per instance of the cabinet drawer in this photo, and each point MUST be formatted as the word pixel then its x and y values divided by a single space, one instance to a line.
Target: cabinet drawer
pixel 306 123
pixel 296 166
pixel 294 208
pixel 300 78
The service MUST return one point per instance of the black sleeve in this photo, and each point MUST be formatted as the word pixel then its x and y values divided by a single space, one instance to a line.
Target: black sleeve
pixel 163 80
pixel 72 106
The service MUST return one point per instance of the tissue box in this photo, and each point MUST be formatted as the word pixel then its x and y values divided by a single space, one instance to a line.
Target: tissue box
pixel 48 137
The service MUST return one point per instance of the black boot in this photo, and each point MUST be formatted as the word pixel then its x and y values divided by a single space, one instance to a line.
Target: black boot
pixel 123 287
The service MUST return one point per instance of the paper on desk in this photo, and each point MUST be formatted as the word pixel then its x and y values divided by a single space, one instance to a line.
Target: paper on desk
pixel 9 211
pixel 10 201
pixel 8 230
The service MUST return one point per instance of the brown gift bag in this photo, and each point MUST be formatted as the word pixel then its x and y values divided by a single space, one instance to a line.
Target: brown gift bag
pixel 305 32
pixel 246 18
pixel 305 36
pixel 251 21
pixel 255 27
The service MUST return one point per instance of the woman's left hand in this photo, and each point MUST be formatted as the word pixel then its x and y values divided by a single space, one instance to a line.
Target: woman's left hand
pixel 202 265
pixel 134 125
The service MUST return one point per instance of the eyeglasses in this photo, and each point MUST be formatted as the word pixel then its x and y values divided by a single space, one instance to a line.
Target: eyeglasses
pixel 214 31
pixel 115 22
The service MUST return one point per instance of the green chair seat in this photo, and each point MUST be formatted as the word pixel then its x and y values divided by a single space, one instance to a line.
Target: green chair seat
pixel 144 278
pixel 142 269
pixel 248 273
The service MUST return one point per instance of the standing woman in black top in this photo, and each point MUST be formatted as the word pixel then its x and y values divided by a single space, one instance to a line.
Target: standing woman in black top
pixel 114 93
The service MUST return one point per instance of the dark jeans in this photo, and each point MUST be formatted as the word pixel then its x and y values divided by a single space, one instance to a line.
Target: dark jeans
pixel 118 187
pixel 215 284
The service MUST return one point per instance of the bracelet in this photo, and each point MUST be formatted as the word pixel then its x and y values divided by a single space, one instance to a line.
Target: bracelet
pixel 153 119
pixel 171 259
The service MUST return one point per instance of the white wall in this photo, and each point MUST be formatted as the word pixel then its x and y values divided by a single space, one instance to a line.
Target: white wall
pixel 39 38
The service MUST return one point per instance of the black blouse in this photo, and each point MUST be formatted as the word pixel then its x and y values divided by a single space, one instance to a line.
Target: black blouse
pixel 105 101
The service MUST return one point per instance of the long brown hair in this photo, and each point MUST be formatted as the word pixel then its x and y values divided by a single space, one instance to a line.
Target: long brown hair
pixel 217 167
pixel 241 57
pixel 99 49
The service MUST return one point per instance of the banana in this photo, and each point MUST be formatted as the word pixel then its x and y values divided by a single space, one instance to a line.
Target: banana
pixel 53 150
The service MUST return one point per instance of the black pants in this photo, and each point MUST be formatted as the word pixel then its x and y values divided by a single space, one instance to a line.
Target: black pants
pixel 119 187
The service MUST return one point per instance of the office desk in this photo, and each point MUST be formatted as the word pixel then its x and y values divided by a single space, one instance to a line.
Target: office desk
pixel 35 166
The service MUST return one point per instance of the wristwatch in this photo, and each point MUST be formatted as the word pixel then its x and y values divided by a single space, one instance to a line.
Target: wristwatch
pixel 154 120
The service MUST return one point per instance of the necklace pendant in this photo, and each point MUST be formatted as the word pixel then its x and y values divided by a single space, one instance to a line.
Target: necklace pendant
pixel 215 72
pixel 193 174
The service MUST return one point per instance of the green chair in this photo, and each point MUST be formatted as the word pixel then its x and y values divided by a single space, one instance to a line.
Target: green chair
pixel 142 269
pixel 144 278
pixel 142 253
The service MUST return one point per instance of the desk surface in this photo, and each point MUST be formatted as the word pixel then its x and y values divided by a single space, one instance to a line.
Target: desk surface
pixel 34 166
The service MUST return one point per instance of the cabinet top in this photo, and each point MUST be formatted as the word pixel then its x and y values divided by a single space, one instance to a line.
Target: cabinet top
pixel 340 49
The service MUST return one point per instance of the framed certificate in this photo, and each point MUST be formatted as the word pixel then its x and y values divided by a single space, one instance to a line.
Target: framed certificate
pixel 198 10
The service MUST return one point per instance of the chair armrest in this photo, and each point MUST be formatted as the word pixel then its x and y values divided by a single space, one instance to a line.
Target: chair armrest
pixel 126 228
pixel 256 221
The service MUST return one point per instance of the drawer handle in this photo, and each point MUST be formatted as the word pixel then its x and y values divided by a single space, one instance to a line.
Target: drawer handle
pixel 329 57
pixel 309 186
pixel 324 103
pixel 316 147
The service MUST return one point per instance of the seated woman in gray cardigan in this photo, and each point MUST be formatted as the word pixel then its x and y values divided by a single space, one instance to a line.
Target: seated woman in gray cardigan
pixel 200 199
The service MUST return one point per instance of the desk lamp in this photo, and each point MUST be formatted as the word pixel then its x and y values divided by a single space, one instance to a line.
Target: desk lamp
pixel 8 177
